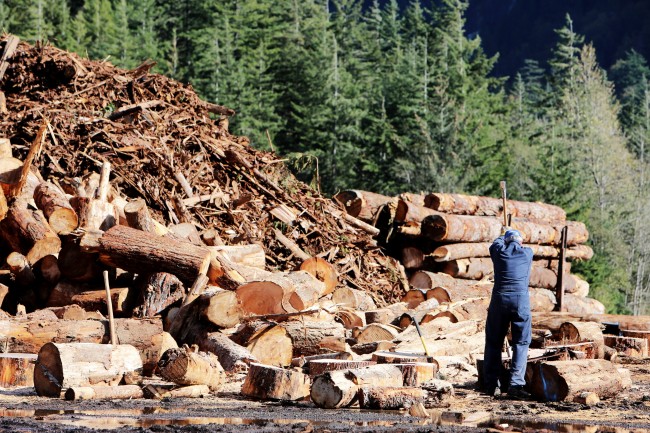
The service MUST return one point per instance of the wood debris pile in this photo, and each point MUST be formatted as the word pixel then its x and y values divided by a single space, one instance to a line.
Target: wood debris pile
pixel 130 216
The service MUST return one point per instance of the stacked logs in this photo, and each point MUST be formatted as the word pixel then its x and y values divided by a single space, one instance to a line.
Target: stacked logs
pixel 443 241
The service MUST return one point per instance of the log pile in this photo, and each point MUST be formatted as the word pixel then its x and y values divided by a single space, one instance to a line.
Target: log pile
pixel 443 240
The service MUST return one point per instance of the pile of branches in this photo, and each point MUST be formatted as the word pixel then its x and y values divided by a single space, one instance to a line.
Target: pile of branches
pixel 174 150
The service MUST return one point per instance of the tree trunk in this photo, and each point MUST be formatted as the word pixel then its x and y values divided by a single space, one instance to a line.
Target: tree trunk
pixel 268 382
pixel 311 337
pixel 104 392
pixel 320 366
pixel 565 380
pixel 158 291
pixel 353 298
pixel 95 300
pixel 333 390
pixel 270 343
pixel 17 369
pixel 323 271
pixel 577 305
pixel 469 309
pixel 362 204
pixel 137 251
pixel 62 366
pixel 232 356
pixel 472 268
pixel 578 332
pixel 417 373
pixel 459 293
pixel 449 252
pixel 28 232
pixel 185 366
pixel 412 214
pixel 460 228
pixel 389 398
pixel 489 206
pixel 629 346
pixel 56 208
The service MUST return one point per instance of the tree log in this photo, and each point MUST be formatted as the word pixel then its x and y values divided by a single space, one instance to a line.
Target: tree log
pixel 320 366
pixel 252 255
pixel 362 204
pixel 232 356
pixel 95 300
pixel 389 398
pixel 476 205
pixel 565 380
pixel 323 271
pixel 633 347
pixel 459 293
pixel 62 366
pixel 415 297
pixel 311 337
pixel 376 346
pixel 64 291
pixel 185 366
pixel 578 305
pixel 268 382
pixel 460 228
pixel 48 267
pixel 157 292
pixel 412 258
pixel 138 251
pixel 104 392
pixel 279 293
pixel 28 232
pixel 270 343
pixel 411 214
pixel 578 332
pixel 401 358
pixel 353 298
pixel 333 390
pixel 21 269
pixel 17 369
pixel 56 208
pixel 75 312
pixel 350 319
pixel 468 309
pixel 77 265
pixel 377 332
pixel 417 373
pixel 386 315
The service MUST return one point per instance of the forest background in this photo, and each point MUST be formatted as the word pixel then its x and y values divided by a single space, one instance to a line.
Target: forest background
pixel 398 96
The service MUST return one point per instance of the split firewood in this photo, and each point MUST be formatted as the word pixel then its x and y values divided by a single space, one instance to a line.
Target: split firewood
pixel 476 205
pixel 578 332
pixel 389 398
pixel 186 366
pixel 103 392
pixel 232 356
pixel 268 382
pixel 362 204
pixel 566 380
pixel 270 343
pixel 28 232
pixel 17 369
pixel 311 337
pixel 462 228
pixel 353 298
pixel 62 366
pixel 138 251
pixel 56 208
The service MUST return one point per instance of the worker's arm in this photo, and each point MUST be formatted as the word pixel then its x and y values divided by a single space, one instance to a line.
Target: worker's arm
pixel 498 244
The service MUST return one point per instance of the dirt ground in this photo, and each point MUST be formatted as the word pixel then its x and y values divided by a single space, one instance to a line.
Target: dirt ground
pixel 468 411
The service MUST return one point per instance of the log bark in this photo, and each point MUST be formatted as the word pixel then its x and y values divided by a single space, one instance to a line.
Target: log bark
pixel 138 251
pixel 62 366
pixel 417 373
pixel 579 305
pixel 56 208
pixel 376 346
pixel 411 214
pixel 579 332
pixel 232 356
pixel 311 337
pixel 389 398
pixel 270 343
pixel 323 271
pixel 565 380
pixel 476 205
pixel 16 369
pixel 458 292
pixel 449 252
pixel 469 309
pixel 157 292
pixel 461 228
pixel 104 392
pixel 633 347
pixel 350 319
pixel 320 366
pixel 95 300
pixel 268 382
pixel 333 390
pixel 186 366
pixel 353 298
pixel 364 205
pixel 28 232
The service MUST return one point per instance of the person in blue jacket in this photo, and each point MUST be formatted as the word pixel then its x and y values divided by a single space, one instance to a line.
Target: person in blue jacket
pixel 509 307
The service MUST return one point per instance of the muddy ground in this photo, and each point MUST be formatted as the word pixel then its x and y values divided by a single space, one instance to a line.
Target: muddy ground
pixel 467 411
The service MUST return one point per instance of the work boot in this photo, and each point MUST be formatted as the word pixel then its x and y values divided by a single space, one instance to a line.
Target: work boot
pixel 518 393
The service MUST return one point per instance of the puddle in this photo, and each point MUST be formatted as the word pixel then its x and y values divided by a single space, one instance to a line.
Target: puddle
pixel 562 427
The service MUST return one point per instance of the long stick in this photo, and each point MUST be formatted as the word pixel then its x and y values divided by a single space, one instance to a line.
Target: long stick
pixel 109 305
pixel 505 208
pixel 417 328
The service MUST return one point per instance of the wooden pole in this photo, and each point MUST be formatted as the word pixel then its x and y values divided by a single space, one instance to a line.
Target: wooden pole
pixel 559 296
pixel 502 184
pixel 109 306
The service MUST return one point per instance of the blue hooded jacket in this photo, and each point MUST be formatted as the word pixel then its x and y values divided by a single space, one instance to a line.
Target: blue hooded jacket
pixel 512 264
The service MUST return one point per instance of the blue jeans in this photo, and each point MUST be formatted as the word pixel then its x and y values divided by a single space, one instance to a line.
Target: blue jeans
pixel 507 309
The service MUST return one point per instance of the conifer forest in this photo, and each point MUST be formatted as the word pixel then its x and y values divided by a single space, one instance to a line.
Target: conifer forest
pixel 391 98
